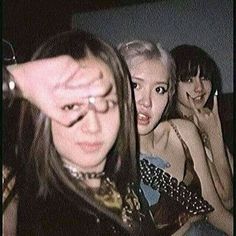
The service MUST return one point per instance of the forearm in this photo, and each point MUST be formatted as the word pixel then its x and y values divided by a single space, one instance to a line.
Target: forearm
pixel 226 198
pixel 221 163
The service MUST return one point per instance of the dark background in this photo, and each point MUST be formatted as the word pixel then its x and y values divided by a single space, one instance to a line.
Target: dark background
pixel 27 23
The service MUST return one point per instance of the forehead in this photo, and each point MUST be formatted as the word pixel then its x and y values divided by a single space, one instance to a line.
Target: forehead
pixel 153 69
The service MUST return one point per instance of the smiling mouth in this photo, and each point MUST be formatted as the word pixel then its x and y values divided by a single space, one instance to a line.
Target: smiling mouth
pixel 199 98
pixel 89 147
pixel 143 119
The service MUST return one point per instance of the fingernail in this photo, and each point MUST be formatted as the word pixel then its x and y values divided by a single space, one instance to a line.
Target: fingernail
pixel 216 93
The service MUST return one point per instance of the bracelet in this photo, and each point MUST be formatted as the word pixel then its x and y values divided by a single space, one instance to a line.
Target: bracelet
pixel 9 87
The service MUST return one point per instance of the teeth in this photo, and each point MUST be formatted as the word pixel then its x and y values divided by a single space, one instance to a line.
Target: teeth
pixel 142 116
pixel 198 98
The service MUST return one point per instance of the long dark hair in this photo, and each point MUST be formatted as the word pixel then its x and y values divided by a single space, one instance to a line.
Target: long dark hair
pixel 121 164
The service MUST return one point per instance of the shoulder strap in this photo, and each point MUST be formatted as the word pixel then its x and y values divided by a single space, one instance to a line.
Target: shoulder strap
pixel 189 165
pixel 185 147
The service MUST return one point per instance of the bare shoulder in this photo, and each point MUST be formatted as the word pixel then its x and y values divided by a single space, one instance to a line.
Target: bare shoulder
pixel 186 128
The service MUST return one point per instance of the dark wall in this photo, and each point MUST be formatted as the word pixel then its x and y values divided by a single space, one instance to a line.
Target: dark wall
pixel 205 23
pixel 28 23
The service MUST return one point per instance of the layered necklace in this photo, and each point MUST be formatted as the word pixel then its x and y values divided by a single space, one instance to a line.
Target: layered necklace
pixel 81 175
pixel 108 195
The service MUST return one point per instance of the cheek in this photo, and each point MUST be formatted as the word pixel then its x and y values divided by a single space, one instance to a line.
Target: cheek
pixel 61 138
pixel 111 125
pixel 160 103
pixel 208 86
pixel 181 92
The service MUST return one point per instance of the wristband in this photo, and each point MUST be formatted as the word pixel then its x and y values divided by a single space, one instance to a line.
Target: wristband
pixel 9 87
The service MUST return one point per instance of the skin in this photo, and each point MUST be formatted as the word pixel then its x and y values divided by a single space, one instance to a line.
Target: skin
pixel 85 145
pixel 93 135
pixel 208 121
pixel 160 139
pixel 198 88
pixel 150 93
pixel 53 84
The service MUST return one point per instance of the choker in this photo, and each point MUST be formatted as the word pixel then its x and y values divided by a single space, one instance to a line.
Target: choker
pixel 81 175
pixel 189 117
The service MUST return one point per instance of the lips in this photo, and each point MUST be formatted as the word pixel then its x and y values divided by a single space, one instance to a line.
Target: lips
pixel 89 147
pixel 199 99
pixel 143 119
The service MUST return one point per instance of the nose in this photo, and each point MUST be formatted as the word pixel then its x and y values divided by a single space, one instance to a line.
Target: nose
pixel 91 123
pixel 145 99
pixel 198 85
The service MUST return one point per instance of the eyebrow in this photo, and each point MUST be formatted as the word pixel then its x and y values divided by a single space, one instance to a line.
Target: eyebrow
pixel 143 80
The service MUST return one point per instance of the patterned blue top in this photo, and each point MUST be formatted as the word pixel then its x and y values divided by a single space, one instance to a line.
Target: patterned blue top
pixel 151 195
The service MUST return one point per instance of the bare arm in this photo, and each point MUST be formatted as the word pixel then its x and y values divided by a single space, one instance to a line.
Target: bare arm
pixel 209 122
pixel 220 217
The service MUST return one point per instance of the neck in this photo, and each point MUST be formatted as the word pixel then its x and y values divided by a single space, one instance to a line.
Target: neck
pixel 183 110
pixel 92 176
pixel 156 140
pixel 146 142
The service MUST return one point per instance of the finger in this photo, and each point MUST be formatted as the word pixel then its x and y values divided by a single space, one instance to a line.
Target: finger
pixel 101 104
pixel 191 102
pixel 84 76
pixel 70 117
pixel 100 88
pixel 215 105
pixel 67 96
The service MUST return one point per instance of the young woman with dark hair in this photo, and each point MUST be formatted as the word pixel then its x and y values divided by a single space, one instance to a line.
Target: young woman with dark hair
pixel 198 84
pixel 81 179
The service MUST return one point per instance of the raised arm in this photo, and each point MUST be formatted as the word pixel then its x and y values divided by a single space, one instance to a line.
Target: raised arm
pixel 220 217
pixel 209 122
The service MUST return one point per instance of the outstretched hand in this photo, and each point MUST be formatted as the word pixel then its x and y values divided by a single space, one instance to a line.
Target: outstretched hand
pixel 207 120
pixel 58 83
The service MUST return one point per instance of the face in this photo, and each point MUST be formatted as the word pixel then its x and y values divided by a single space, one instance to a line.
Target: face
pixel 150 84
pixel 199 90
pixel 88 141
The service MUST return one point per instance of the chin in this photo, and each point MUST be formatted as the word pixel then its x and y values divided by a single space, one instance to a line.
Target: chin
pixel 144 130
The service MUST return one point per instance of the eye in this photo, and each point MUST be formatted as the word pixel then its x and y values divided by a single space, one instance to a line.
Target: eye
pixel 161 90
pixel 134 85
pixel 189 80
pixel 70 107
